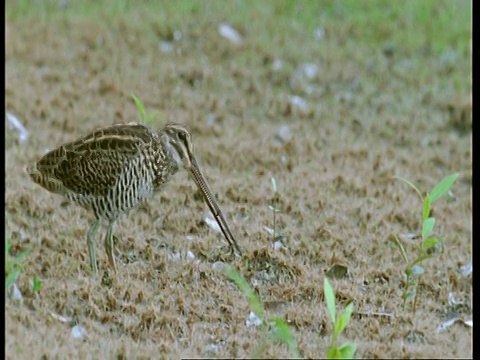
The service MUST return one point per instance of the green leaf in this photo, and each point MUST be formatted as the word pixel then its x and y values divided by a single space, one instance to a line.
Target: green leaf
pixel 140 107
pixel 417 270
pixel 426 208
pixel 343 320
pixel 35 283
pixel 12 264
pixel 410 184
pixel 347 350
pixel 333 353
pixel 427 227
pixel 443 187
pixel 246 290
pixel 427 244
pixel 10 279
pixel 18 259
pixel 283 334
pixel 329 298
pixel 282 331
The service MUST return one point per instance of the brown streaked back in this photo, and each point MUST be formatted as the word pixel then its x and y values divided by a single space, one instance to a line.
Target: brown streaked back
pixel 91 165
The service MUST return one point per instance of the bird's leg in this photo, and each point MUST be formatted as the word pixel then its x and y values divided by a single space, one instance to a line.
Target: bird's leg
pixel 91 245
pixel 109 245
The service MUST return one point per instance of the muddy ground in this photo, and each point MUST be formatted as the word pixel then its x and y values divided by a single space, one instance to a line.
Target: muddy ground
pixel 331 116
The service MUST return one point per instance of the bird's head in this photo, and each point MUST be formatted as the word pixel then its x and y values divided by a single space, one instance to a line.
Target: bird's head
pixel 178 141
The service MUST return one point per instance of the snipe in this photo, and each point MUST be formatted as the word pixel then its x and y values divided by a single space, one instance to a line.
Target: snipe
pixel 114 169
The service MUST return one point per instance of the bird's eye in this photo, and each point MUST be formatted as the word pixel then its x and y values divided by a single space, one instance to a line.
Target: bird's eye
pixel 182 136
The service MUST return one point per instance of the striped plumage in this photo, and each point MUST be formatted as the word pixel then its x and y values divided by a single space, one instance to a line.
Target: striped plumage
pixel 113 170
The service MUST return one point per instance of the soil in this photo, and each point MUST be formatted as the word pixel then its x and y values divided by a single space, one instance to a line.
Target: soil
pixel 367 116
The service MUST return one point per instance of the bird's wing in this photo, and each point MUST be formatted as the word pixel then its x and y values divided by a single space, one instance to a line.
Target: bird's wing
pixel 92 165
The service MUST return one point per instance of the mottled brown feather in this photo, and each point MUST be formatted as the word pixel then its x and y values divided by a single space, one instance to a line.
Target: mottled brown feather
pixel 91 165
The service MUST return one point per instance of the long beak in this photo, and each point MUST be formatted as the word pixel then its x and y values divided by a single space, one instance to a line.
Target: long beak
pixel 212 204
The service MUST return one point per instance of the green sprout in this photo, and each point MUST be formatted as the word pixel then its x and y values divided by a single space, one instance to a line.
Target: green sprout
pixel 149 117
pixel 346 350
pixel 279 329
pixel 273 205
pixel 12 264
pixel 36 283
pixel 413 269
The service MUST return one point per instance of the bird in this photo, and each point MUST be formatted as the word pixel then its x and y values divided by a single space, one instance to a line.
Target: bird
pixel 114 169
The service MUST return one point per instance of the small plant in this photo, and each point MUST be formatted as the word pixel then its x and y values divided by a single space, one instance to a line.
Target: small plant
pixel 273 206
pixel 148 118
pixel 346 350
pixel 413 269
pixel 36 284
pixel 12 264
pixel 280 331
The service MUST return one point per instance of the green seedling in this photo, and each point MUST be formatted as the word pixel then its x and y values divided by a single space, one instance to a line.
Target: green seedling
pixel 273 206
pixel 346 350
pixel 413 268
pixel 36 284
pixel 149 117
pixel 12 264
pixel 276 327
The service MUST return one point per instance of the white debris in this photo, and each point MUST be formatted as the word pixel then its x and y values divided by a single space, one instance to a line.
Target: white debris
pixel 218 266
pixel 210 119
pixel 319 33
pixel 452 300
pixel 467 269
pixel 451 194
pixel 229 33
pixel 174 256
pixel 277 65
pixel 299 102
pixel 278 245
pixel 344 97
pixel 409 236
pixel 449 57
pixel 212 223
pixel 61 318
pixel 16 293
pixel 253 320
pixel 181 256
pixel 309 70
pixel 166 47
pixel 17 125
pixel 425 142
pixel 212 349
pixel 268 230
pixel 78 332
pixel 284 133
pixel 177 35
pixel 445 325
